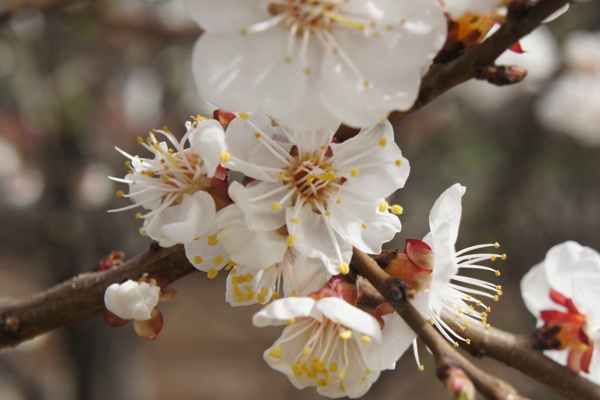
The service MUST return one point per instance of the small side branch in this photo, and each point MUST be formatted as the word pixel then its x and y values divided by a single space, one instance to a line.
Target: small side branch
pixel 446 356
pixel 82 297
pixel 517 351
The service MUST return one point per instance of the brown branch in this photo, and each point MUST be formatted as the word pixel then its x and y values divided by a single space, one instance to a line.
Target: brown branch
pixel 440 78
pixel 446 356
pixel 82 297
pixel 517 351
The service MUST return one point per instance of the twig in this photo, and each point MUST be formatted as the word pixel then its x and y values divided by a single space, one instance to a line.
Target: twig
pixel 445 355
pixel 517 351
pixel 82 297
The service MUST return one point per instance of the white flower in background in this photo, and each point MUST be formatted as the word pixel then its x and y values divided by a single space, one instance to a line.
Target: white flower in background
pixel 449 293
pixel 328 195
pixel 572 104
pixel 338 60
pixel 132 300
pixel 457 8
pixel 328 343
pixel 174 185
pixel 562 293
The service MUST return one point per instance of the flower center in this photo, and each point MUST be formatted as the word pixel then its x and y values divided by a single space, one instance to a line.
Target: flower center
pixel 312 178
pixel 311 14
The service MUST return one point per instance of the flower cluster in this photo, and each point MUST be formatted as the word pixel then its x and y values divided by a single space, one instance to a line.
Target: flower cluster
pixel 269 193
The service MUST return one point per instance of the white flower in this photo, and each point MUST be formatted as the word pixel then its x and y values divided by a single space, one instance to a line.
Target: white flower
pixel 132 300
pixel 328 343
pixel 457 8
pixel 562 291
pixel 174 186
pixel 450 293
pixel 328 195
pixel 582 51
pixel 338 60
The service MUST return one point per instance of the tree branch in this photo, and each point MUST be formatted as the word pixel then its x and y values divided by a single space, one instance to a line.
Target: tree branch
pixel 446 356
pixel 82 297
pixel 517 351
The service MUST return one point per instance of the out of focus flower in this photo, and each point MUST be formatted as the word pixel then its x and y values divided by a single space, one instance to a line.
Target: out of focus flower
pixel 350 61
pixel 457 8
pixel 572 103
pixel 178 185
pixel 328 343
pixel 328 195
pixel 562 293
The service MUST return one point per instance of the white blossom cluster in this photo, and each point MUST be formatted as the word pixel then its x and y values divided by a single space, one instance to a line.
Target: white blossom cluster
pixel 270 195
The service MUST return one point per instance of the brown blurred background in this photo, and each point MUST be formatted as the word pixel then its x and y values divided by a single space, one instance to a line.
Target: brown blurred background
pixel 80 77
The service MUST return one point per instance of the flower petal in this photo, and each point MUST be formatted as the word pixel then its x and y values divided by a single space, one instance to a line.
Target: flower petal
pixel 282 310
pixel 227 15
pixel 261 215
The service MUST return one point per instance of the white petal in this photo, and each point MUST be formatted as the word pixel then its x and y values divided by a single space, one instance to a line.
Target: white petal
pixel 227 15
pixel 208 140
pixel 255 250
pixel 278 312
pixel 259 214
pixel 447 210
pixel 254 157
pixel 307 276
pixel 207 252
pixel 535 290
pixel 396 339
pixel 341 312
pixel 131 300
pixel 248 72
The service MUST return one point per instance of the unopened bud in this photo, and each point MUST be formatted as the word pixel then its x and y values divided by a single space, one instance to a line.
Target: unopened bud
pixel 458 384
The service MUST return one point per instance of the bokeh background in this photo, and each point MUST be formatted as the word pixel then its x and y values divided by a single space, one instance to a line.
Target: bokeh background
pixel 80 77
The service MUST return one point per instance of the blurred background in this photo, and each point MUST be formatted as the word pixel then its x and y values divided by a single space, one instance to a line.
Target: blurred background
pixel 80 77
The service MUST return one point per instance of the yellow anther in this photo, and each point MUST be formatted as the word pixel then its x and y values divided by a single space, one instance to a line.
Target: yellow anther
pixel 383 206
pixel 257 135
pixel 503 256
pixel 462 328
pixel 496 298
pixel 342 375
pixel 140 140
pixel 333 366
pixel 430 320
pixel 364 225
pixel 488 326
pixel 224 156
pixel 243 115
pixel 275 296
pixel 120 193
pixel 212 273
pixel 493 258
pixel 293 294
pixel 290 321
pixel 497 273
pixel 344 268
pixel 138 215
pixel 295 220
pixel 276 352
pixel 496 245
pixel 339 201
pixel 291 240
pixel 198 260
pixel 346 334
pixel 354 172
pixel 306 350
pixel 218 260
pixel 398 163
pixel 328 213
pixel 455 344
pixel 383 142
pixel 397 209
pixel 276 206
pixel 499 287
pixel 365 339
pixel 489 309
pixel 307 70
pixel 421 368
pixel 468 341
pixel 500 292
pixel 281 175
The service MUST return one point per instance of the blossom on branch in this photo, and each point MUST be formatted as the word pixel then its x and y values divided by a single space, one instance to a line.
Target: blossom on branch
pixel 178 186
pixel 328 343
pixel 562 293
pixel 337 60
pixel 327 196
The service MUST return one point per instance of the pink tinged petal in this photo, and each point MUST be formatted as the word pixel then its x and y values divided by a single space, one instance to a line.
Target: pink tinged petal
pixel 184 222
pixel 248 72
pixel 364 227
pixel 113 320
pixel 396 339
pixel 255 155
pixel 375 156
pixel 314 240
pixel 149 329
pixel 281 311
pixel 208 140
pixel 167 295
pixel 256 250
pixel 227 15
pixel 260 214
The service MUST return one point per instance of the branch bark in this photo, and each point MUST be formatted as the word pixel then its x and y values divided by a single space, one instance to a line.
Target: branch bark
pixel 517 351
pixel 82 297
pixel 446 356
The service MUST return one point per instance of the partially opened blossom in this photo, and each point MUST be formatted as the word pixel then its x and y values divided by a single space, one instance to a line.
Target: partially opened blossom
pixel 562 293
pixel 177 187
pixel 433 267
pixel 328 196
pixel 328 343
pixel 132 299
pixel 335 60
